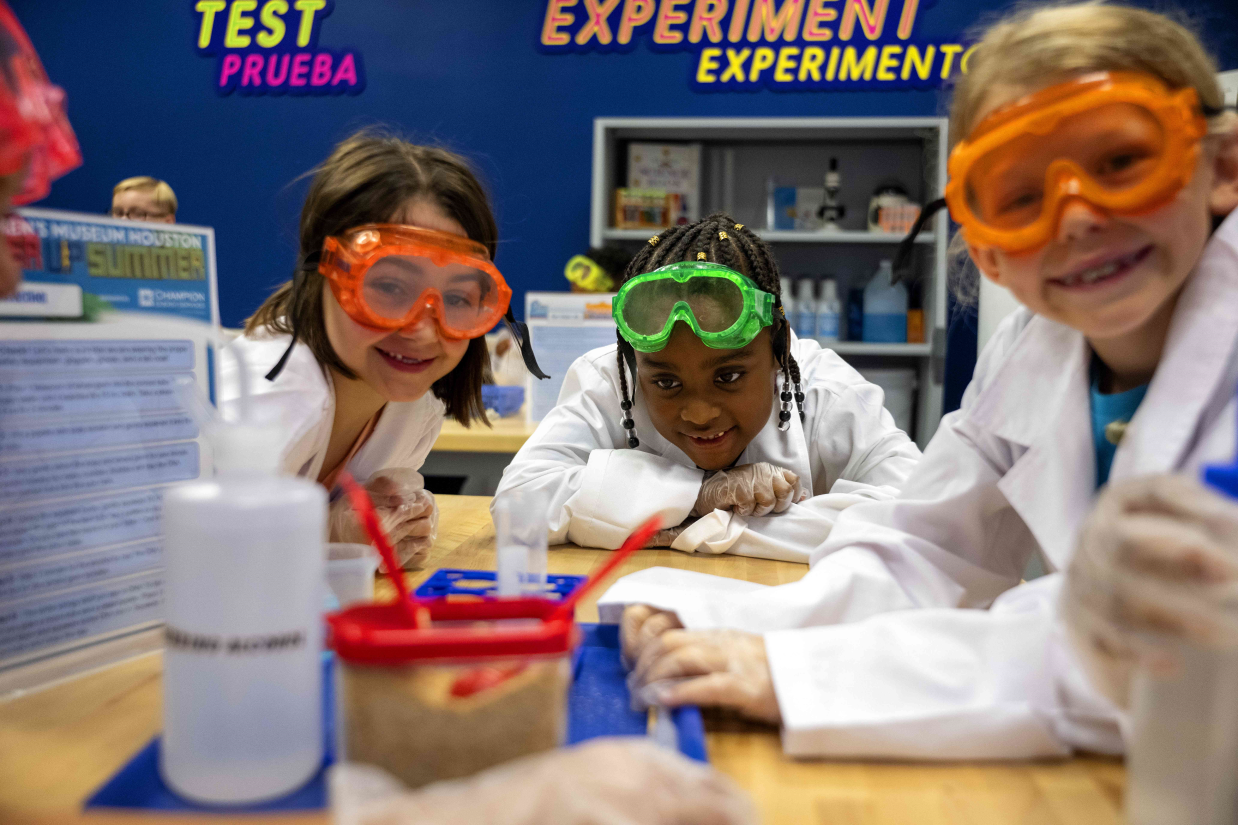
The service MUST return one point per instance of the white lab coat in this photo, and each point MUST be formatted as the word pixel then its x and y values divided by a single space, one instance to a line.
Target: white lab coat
pixel 301 400
pixel 1010 474
pixel 599 490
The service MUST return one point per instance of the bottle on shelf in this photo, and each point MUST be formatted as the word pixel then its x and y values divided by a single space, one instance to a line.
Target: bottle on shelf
pixel 855 314
pixel 828 311
pixel 805 308
pixel 885 308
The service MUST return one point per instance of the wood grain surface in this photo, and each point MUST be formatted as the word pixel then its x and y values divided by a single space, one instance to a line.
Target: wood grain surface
pixel 59 744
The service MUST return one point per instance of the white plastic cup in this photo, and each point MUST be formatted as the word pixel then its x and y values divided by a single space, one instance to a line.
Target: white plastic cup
pixel 350 572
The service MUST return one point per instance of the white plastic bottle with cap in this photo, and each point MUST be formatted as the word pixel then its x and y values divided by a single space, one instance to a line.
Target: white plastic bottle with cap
pixel 828 311
pixel 244 581
pixel 885 308
pixel 805 308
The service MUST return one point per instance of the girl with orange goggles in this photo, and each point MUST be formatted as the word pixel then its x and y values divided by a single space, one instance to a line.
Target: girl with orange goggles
pixel 380 334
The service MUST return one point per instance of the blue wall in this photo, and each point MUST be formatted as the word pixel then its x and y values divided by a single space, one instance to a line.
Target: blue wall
pixel 464 73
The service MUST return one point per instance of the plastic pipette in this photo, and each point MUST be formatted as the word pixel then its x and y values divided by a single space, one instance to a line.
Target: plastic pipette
pixel 363 505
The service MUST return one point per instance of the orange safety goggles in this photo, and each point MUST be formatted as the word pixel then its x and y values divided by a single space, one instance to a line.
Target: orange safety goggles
pixel 389 277
pixel 1121 141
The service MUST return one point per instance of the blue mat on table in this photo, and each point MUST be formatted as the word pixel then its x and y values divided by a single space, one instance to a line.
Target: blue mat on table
pixel 598 705
pixel 446 581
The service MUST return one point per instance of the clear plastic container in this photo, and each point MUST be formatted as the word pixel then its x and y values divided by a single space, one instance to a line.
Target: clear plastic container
pixel 350 572
pixel 484 683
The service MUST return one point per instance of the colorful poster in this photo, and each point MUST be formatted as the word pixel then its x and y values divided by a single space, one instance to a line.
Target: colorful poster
pixel 74 262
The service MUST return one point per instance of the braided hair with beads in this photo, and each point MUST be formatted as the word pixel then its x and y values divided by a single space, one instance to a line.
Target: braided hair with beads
pixel 716 239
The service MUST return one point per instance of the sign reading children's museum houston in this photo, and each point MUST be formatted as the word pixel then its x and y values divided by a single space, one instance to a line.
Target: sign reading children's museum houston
pixel 755 44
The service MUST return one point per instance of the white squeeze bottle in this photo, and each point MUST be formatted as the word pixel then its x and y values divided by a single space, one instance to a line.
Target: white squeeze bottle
pixel 805 309
pixel 244 557
pixel 828 311
pixel 885 308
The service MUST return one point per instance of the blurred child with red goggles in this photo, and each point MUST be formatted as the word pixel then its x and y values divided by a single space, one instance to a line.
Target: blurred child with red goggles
pixel 37 144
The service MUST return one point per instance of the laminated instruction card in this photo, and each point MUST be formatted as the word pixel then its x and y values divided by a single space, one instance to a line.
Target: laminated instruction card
pixel 93 427
pixel 562 327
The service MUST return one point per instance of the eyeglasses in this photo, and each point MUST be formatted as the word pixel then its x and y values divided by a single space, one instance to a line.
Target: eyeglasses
pixel 136 214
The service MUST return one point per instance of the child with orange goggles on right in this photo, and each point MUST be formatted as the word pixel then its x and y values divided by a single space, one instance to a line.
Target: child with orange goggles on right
pixel 1094 174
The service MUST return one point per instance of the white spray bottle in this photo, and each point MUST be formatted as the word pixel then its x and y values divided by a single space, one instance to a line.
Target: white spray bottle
pixel 242 683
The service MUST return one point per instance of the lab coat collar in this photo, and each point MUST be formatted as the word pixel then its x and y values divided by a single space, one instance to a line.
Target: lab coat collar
pixel 1194 366
pixel 1051 485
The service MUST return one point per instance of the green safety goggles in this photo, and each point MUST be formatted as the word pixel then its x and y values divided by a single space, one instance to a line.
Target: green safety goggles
pixel 725 309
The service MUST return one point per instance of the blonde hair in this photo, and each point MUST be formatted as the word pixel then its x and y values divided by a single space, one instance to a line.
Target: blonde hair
pixel 164 196
pixel 1040 44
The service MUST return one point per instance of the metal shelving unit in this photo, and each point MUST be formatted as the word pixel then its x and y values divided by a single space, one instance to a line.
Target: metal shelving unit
pixel 738 155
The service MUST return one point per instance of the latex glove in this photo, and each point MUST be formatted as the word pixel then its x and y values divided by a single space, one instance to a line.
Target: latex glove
pixel 727 668
pixel 1157 562
pixel 665 538
pixel 626 781
pixel 749 490
pixel 406 511
pixel 639 626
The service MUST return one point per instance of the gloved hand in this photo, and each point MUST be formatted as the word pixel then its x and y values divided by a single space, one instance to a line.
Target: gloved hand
pixel 406 511
pixel 1157 560
pixel 727 668
pixel 665 538
pixel 749 490
pixel 627 781
pixel 640 625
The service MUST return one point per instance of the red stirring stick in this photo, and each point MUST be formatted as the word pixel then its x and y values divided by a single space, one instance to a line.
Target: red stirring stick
pixel 567 608
pixel 363 505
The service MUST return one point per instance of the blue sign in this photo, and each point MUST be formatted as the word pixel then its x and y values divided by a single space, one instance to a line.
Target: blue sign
pixel 130 265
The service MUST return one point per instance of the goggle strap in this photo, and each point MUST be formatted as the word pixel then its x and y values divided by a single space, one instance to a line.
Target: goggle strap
pixel 902 256
pixel 283 359
pixel 520 331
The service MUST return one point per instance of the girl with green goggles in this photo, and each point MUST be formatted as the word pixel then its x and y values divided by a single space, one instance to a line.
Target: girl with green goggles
pixel 708 369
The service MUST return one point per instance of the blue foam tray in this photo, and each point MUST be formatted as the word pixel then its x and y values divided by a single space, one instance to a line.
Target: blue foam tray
pixel 598 705
pixel 446 582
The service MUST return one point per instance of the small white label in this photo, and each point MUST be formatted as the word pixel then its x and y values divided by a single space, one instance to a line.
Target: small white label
pixel 43 300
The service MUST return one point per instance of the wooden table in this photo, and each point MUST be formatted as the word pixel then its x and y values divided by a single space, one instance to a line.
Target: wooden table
pixel 58 745
pixel 505 435
pixel 478 453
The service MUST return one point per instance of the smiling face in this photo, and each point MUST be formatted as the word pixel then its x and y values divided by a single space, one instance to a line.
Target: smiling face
pixel 1110 276
pixel 710 403
pixel 401 365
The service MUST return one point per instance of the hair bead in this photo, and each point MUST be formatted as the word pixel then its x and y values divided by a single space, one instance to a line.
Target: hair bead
pixel 654 240
pixel 722 236
pixel 738 226
pixel 700 256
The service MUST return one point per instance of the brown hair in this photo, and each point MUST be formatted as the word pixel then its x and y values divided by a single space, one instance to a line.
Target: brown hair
pixel 1041 44
pixel 164 196
pixel 368 178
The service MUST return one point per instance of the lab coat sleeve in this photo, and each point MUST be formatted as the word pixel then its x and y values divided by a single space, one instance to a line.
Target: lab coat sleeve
pixel 950 539
pixel 865 457
pixel 881 555
pixel 877 458
pixel 595 493
pixel 936 684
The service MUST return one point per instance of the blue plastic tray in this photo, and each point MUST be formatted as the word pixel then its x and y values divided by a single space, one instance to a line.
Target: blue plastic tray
pixel 446 582
pixel 597 706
